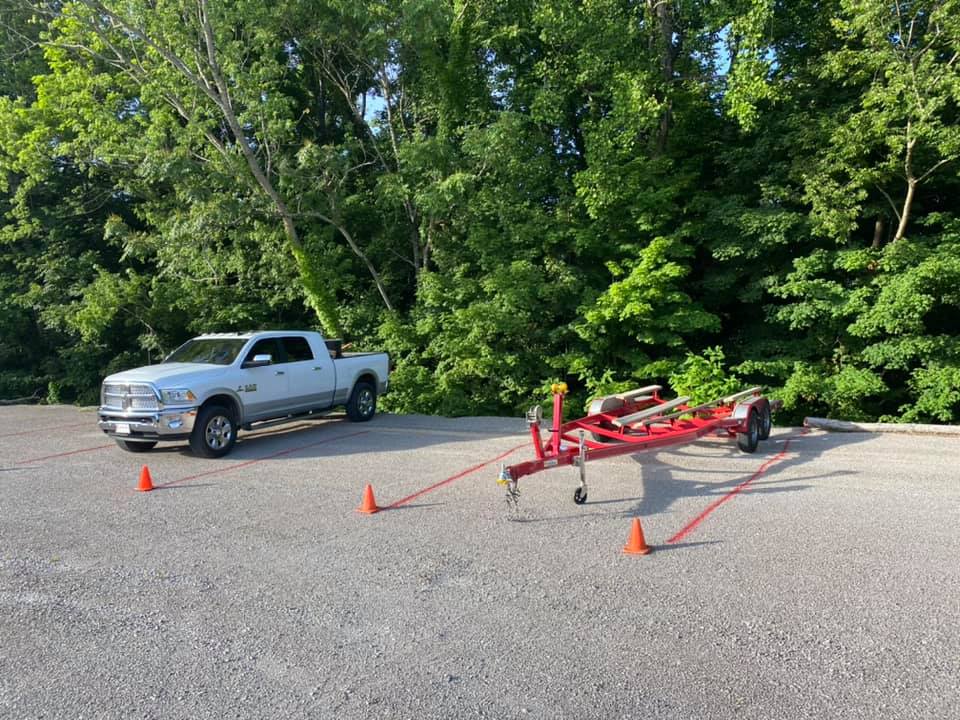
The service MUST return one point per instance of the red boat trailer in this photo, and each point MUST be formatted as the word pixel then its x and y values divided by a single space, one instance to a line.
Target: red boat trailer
pixel 634 422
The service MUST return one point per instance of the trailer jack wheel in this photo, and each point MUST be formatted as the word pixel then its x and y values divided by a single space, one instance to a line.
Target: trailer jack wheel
pixel 580 495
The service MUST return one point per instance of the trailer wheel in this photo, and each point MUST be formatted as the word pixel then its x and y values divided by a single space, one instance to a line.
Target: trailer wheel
pixel 602 438
pixel 579 496
pixel 748 441
pixel 766 421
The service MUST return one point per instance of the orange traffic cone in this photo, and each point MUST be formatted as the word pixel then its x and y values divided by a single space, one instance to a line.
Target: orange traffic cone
pixel 368 505
pixel 146 482
pixel 636 545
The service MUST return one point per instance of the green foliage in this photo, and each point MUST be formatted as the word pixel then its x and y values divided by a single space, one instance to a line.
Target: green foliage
pixel 938 394
pixel 704 378
pixel 644 317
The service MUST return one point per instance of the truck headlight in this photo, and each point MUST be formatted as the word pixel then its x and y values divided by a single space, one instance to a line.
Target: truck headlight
pixel 177 395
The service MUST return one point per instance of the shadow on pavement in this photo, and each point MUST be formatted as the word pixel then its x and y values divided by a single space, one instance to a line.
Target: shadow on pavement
pixel 662 488
pixel 659 486
pixel 319 438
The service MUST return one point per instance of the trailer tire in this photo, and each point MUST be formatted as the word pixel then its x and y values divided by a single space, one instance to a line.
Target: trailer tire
pixel 362 403
pixel 602 438
pixel 748 441
pixel 136 447
pixel 766 420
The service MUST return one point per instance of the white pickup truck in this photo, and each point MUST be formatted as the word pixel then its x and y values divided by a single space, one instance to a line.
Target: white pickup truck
pixel 214 385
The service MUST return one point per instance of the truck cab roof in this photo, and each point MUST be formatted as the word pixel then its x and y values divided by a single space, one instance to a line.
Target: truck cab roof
pixel 248 334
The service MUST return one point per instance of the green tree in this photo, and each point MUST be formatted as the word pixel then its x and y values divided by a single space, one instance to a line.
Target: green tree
pixel 864 132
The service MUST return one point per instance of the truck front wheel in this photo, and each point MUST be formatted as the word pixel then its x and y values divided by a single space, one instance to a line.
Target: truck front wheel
pixel 214 432
pixel 362 403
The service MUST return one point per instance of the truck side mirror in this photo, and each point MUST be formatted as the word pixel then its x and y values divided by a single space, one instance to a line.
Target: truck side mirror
pixel 258 361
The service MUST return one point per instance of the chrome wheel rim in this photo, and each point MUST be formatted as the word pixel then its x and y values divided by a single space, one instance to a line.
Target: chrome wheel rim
pixel 218 432
pixel 365 402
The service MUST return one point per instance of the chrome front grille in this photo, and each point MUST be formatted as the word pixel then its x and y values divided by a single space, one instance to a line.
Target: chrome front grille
pixel 128 397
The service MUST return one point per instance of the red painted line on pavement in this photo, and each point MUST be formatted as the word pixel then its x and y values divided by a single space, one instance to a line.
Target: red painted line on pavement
pixel 692 525
pixel 452 478
pixel 279 453
pixel 55 427
pixel 63 454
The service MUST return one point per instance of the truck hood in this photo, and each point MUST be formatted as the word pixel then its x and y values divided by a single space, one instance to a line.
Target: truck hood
pixel 169 375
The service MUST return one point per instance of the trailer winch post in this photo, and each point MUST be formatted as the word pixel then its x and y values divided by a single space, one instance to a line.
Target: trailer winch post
pixel 534 417
pixel 558 390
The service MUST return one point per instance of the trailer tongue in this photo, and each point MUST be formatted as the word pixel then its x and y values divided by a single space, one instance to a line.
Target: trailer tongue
pixel 633 422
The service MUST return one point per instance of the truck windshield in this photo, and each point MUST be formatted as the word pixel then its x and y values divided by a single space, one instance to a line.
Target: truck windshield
pixel 219 351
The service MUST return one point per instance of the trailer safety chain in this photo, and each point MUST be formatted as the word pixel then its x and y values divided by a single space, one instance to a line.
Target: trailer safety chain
pixel 513 499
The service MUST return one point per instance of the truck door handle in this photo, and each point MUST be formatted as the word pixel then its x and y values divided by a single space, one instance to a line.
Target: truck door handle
pixel 318 368
pixel 279 372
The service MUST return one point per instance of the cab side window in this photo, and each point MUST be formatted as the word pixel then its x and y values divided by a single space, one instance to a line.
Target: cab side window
pixel 267 346
pixel 297 349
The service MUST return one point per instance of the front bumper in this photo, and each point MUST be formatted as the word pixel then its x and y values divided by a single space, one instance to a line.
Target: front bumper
pixel 166 424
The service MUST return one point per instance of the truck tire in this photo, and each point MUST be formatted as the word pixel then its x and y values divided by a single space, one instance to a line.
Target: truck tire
pixel 214 432
pixel 362 403
pixel 136 447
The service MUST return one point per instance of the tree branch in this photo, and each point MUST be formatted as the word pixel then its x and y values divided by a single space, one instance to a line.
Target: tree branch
pixel 933 169
pixel 358 251
pixel 889 200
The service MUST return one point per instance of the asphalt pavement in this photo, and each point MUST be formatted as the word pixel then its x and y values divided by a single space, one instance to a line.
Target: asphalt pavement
pixel 825 586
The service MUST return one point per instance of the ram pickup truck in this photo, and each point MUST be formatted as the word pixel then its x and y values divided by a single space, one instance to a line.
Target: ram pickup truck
pixel 214 385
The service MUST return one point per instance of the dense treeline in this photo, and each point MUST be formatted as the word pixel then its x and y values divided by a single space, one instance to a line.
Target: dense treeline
pixel 501 193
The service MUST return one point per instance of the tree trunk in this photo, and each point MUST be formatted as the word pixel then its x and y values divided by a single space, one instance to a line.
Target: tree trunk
pixel 663 12
pixel 318 295
pixel 877 234
pixel 911 186
pixel 907 206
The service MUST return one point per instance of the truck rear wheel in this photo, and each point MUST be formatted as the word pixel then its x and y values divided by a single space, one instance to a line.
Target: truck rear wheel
pixel 135 447
pixel 362 403
pixel 214 433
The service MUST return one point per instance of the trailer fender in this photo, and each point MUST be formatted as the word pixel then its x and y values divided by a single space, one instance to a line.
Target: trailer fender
pixel 741 411
pixel 605 405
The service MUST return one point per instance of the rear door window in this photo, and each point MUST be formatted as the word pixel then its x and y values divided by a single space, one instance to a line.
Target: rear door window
pixel 297 349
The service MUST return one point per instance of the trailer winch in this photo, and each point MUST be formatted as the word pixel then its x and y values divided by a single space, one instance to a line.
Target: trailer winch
pixel 633 422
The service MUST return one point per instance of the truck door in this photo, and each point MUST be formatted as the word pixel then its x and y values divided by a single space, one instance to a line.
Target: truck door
pixel 311 379
pixel 265 390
